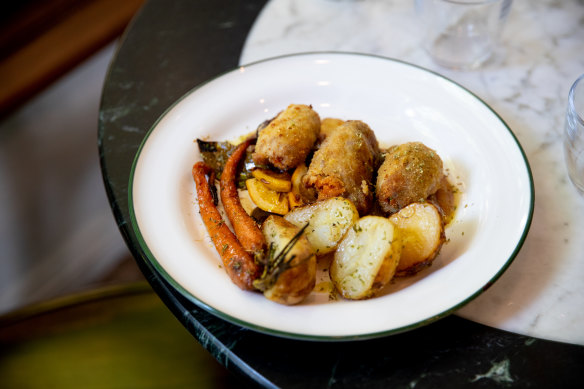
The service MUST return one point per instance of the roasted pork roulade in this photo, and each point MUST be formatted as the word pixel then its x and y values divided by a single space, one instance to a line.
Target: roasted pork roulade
pixel 286 141
pixel 409 173
pixel 344 165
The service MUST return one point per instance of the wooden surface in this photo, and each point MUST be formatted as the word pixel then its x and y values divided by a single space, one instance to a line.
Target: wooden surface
pixel 40 40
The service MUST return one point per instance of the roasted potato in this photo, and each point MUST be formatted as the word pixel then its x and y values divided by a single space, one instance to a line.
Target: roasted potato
pixel 366 258
pixel 328 221
pixel 290 273
pixel 422 230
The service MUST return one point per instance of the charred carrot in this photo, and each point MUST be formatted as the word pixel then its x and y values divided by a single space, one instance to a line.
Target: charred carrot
pixel 246 229
pixel 239 264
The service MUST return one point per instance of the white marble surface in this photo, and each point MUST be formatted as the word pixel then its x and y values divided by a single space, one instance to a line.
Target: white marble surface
pixel 527 83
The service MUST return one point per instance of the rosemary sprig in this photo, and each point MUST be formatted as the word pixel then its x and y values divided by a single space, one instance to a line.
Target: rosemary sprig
pixel 278 263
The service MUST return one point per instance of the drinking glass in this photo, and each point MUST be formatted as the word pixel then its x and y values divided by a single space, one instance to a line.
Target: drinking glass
pixel 574 134
pixel 461 34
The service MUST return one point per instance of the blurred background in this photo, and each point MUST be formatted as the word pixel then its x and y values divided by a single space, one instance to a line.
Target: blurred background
pixel 74 307
pixel 57 232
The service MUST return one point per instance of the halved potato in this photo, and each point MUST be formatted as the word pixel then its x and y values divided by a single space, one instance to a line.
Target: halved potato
pixel 366 258
pixel 288 279
pixel 328 221
pixel 422 230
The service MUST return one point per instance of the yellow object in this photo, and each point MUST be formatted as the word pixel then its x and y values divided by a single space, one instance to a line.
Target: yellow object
pixel 294 200
pixel 280 182
pixel 304 194
pixel 265 198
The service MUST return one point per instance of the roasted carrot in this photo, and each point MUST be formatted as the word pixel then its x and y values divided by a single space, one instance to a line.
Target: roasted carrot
pixel 246 229
pixel 239 264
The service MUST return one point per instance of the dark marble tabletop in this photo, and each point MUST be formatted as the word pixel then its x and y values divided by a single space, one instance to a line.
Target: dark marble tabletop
pixel 169 48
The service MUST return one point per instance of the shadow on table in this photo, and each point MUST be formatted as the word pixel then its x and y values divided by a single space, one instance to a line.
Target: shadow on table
pixel 119 336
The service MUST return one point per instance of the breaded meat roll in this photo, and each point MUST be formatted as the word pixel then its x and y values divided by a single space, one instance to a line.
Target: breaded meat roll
pixel 328 125
pixel 286 141
pixel 410 173
pixel 344 165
